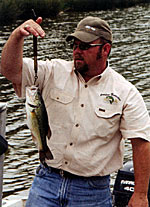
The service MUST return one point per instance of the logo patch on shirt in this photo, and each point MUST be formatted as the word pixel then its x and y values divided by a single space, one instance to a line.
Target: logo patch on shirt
pixel 111 98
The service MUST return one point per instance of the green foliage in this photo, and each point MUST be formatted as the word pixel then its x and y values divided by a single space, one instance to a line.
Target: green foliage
pixel 44 8
pixel 11 10
pixel 92 5
pixel 8 11
pixel 80 5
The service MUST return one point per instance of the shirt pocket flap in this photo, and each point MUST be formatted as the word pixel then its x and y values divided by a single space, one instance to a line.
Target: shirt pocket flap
pixel 61 96
pixel 107 113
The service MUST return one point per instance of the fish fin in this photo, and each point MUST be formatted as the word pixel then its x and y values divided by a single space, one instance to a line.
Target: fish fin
pixel 45 154
pixel 33 137
pixel 45 164
pixel 42 156
pixel 49 133
pixel 48 154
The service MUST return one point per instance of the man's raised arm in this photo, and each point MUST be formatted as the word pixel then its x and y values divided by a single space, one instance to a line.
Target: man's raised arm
pixel 12 54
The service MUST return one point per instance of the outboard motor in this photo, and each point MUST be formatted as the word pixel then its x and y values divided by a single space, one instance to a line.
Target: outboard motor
pixel 124 186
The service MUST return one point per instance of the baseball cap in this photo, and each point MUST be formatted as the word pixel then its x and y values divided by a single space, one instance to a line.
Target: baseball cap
pixel 91 28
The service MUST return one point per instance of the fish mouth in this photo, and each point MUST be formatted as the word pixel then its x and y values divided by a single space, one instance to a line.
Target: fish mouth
pixel 32 89
pixel 31 92
pixel 32 105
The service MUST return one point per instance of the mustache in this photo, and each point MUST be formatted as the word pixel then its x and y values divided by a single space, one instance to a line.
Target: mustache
pixel 78 57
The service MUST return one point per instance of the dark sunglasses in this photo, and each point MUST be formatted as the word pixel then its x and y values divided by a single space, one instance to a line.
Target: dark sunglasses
pixel 84 46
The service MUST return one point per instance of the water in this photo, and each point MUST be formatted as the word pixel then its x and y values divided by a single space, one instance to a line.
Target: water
pixel 130 56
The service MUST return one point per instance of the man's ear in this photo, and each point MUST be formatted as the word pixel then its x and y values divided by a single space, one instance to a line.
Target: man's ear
pixel 106 49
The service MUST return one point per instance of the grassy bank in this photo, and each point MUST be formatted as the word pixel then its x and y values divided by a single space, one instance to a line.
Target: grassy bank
pixel 11 10
pixel 86 5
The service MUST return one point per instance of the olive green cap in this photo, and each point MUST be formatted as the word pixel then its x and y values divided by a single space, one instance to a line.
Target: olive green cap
pixel 90 29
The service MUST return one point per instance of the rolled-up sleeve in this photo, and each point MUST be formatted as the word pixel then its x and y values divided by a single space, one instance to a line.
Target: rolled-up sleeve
pixel 135 120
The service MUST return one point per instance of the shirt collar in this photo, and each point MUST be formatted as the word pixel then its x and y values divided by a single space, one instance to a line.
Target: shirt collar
pixel 95 79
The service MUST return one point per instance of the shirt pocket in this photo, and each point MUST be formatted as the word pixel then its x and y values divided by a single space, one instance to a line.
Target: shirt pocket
pixel 107 121
pixel 107 113
pixel 61 96
pixel 60 105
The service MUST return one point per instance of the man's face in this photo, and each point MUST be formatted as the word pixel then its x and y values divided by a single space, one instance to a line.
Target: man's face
pixel 86 60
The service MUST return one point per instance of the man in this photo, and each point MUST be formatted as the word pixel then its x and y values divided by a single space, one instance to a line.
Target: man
pixel 91 110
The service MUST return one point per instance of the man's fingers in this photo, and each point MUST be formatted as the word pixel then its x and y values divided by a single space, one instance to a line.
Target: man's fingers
pixel 24 32
pixel 39 20
pixel 31 27
pixel 31 30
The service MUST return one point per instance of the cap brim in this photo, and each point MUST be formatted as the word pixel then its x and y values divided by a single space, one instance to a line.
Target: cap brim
pixel 82 36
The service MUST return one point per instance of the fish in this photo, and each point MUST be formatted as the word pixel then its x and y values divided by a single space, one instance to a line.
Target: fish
pixel 37 122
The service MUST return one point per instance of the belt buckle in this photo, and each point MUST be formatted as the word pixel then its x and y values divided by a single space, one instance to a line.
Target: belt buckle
pixel 62 173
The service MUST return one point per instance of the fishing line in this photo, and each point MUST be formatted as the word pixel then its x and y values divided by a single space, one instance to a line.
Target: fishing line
pixel 35 51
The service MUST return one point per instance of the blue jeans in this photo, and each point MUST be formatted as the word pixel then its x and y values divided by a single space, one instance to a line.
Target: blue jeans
pixel 50 189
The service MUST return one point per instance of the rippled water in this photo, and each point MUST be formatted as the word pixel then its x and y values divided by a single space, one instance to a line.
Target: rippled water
pixel 130 56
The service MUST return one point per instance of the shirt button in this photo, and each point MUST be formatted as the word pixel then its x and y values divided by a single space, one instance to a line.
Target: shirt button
pixel 103 110
pixel 85 85
pixel 71 144
pixel 82 105
pixel 77 125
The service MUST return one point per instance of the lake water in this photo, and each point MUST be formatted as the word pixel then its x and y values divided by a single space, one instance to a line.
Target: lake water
pixel 130 56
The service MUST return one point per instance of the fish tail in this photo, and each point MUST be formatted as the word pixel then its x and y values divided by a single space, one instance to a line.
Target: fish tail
pixel 48 154
pixel 42 156
pixel 45 154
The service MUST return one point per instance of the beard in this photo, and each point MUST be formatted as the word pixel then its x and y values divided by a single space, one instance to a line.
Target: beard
pixel 81 68
pixel 80 64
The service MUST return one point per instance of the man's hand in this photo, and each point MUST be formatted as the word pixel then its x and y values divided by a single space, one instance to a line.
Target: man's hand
pixel 31 27
pixel 12 54
pixel 138 200
pixel 141 161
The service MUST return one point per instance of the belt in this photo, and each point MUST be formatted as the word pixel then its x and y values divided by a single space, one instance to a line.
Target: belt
pixel 67 174
pixel 64 173
pixel 61 172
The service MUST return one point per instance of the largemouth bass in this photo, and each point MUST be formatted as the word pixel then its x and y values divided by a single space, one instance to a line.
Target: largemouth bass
pixel 37 121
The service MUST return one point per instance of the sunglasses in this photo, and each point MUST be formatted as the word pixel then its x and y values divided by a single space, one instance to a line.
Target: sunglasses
pixel 84 46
